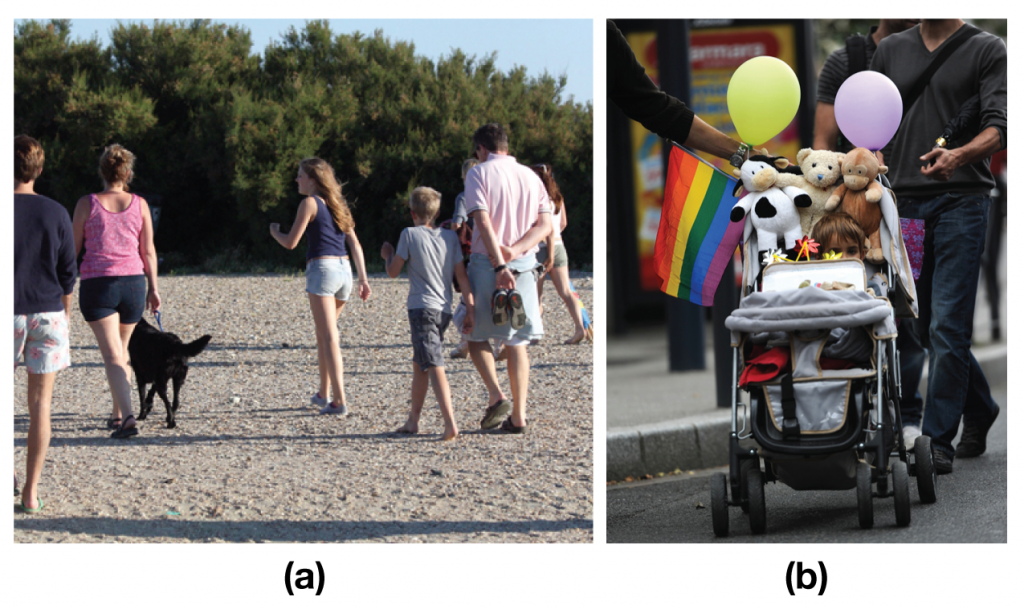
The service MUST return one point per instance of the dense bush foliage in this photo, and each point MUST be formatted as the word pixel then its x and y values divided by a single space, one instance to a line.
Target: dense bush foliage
pixel 219 131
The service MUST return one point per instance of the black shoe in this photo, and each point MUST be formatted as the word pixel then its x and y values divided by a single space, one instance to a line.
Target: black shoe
pixel 972 440
pixel 123 433
pixel 495 413
pixel 943 462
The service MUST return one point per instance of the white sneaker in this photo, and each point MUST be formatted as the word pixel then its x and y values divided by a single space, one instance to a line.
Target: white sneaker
pixel 910 433
pixel 316 400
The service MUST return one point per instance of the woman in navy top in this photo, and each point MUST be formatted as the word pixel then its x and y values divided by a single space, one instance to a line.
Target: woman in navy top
pixel 332 237
pixel 44 281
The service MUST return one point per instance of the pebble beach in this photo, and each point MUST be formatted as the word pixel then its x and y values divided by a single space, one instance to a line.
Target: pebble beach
pixel 252 461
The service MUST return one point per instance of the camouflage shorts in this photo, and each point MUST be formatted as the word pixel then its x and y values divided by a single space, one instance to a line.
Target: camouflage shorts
pixel 427 327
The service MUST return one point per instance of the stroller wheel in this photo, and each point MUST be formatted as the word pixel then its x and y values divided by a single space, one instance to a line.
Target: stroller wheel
pixel 755 500
pixel 746 466
pixel 901 493
pixel 925 469
pixel 865 511
pixel 719 505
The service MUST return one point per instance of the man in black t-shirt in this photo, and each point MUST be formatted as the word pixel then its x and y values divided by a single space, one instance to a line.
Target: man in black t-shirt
pixel 949 189
pixel 836 70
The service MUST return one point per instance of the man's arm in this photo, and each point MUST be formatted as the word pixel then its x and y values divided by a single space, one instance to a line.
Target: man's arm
pixel 984 145
pixel 706 138
pixel 504 279
pixel 826 129
pixel 540 231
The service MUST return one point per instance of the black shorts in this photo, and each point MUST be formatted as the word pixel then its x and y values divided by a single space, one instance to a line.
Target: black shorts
pixel 427 327
pixel 101 297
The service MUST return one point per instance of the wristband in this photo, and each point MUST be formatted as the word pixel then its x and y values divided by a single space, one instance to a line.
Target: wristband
pixel 500 268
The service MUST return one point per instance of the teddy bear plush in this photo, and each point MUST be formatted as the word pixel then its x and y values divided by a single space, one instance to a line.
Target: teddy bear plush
pixel 773 210
pixel 822 172
pixel 859 195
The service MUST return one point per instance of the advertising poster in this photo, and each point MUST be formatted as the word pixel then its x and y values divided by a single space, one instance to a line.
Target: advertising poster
pixel 648 170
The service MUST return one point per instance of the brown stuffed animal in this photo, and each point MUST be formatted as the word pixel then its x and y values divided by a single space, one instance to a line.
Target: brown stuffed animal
pixel 859 195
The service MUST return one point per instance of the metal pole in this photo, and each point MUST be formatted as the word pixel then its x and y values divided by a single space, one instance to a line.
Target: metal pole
pixel 726 298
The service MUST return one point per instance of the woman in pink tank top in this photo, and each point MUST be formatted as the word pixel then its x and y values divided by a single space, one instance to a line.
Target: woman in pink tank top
pixel 116 230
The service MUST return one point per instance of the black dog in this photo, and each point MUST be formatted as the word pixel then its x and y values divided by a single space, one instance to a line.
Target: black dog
pixel 156 358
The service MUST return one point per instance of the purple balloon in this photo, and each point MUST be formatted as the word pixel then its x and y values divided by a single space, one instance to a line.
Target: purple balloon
pixel 868 109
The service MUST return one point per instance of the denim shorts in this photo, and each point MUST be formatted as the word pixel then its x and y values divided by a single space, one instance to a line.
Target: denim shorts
pixel 427 327
pixel 101 297
pixel 329 277
pixel 42 338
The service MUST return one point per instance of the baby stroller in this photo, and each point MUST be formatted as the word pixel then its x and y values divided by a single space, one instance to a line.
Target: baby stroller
pixel 822 370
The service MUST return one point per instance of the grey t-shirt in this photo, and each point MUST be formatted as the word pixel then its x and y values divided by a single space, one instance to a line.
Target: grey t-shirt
pixel 431 254
pixel 978 66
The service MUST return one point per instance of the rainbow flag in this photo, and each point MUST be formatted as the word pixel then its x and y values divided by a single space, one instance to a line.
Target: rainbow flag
pixel 696 239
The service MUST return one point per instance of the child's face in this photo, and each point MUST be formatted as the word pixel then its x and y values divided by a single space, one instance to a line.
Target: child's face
pixel 847 247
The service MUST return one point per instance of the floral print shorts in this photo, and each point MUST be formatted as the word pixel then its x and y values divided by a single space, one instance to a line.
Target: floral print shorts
pixel 42 338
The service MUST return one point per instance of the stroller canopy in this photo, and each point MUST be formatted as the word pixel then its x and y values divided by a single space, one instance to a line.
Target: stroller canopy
pixel 810 308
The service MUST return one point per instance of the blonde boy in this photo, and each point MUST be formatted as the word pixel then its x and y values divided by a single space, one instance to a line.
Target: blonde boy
pixel 434 257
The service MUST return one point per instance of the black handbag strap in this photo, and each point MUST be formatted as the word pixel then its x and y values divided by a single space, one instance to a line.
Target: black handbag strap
pixel 790 425
pixel 965 34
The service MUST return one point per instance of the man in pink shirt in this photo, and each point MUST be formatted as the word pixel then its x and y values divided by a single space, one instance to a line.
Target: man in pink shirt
pixel 512 215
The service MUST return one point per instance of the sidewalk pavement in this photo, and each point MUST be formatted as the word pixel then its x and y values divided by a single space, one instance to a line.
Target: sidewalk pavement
pixel 660 421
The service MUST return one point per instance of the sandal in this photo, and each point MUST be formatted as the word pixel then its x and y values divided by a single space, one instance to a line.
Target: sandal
pixel 113 423
pixel 494 414
pixel 29 510
pixel 516 311
pixel 508 426
pixel 123 432
pixel 499 307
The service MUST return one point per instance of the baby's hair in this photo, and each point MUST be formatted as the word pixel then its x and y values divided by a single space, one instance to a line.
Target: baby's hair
pixel 117 164
pixel 837 226
pixel 425 202
pixel 467 165
pixel 28 158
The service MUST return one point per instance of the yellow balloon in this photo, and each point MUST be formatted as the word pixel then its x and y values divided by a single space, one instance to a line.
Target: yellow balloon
pixel 763 98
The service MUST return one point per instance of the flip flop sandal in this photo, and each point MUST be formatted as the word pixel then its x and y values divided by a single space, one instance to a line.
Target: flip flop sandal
pixel 113 423
pixel 123 433
pixel 495 412
pixel 516 311
pixel 499 307
pixel 29 510
pixel 508 426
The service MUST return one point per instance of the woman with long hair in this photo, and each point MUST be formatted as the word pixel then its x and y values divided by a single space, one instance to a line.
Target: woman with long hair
pixel 116 229
pixel 553 256
pixel 332 239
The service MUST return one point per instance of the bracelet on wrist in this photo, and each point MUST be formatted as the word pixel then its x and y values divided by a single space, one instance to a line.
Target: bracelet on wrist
pixel 500 268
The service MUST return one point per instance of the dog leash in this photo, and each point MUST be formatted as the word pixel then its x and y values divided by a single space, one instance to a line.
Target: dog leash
pixel 157 315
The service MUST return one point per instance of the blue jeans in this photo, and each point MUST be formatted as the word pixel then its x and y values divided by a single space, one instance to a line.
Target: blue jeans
pixel 953 243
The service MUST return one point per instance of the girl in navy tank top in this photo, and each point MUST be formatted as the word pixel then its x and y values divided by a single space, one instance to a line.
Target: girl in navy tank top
pixel 326 220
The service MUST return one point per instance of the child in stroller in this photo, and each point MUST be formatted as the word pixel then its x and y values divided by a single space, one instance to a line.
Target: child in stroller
pixel 822 370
